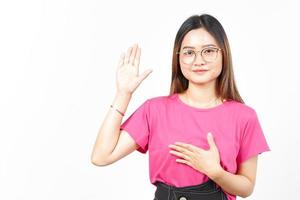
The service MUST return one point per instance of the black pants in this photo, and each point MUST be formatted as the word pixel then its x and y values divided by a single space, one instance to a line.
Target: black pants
pixel 204 191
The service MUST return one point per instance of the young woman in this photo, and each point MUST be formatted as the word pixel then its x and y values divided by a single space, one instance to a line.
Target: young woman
pixel 203 140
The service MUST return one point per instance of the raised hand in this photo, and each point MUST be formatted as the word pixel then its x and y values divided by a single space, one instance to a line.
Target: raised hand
pixel 127 77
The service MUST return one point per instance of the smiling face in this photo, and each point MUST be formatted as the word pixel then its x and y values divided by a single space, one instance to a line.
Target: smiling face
pixel 197 40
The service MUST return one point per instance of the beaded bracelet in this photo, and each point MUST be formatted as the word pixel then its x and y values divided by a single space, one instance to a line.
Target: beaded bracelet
pixel 117 110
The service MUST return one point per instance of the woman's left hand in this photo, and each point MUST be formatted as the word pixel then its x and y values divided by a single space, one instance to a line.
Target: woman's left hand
pixel 205 161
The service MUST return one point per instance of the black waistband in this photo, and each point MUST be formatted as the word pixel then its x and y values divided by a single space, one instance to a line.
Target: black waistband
pixel 208 190
pixel 208 185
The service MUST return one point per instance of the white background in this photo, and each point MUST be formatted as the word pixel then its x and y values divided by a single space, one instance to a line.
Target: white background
pixel 58 60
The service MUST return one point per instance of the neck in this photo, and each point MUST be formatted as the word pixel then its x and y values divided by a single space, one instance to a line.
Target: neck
pixel 199 95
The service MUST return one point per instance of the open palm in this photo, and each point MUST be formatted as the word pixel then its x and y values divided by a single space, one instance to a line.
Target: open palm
pixel 128 78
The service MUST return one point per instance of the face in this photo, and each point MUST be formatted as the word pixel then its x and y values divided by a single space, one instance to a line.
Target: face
pixel 197 40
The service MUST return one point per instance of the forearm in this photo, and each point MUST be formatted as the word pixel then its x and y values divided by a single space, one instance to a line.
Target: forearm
pixel 109 131
pixel 233 183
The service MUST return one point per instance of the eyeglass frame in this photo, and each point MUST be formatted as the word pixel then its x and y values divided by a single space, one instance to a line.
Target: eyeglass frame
pixel 196 53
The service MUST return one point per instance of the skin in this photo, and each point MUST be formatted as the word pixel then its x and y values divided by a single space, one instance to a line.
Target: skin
pixel 112 144
pixel 201 90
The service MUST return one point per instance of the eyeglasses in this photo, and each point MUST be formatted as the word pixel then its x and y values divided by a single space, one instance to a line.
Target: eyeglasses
pixel 208 54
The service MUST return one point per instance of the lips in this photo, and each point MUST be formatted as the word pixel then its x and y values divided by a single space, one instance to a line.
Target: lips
pixel 200 70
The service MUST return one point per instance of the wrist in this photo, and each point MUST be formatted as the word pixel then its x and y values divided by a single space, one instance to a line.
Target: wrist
pixel 123 94
pixel 120 102
pixel 216 173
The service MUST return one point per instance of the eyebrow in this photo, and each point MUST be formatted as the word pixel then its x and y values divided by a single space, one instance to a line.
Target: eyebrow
pixel 206 45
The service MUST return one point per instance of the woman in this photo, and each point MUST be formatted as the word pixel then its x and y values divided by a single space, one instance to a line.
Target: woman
pixel 203 140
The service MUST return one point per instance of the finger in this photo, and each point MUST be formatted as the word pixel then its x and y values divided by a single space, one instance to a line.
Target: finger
pixel 121 61
pixel 132 55
pixel 137 57
pixel 211 141
pixel 144 75
pixel 126 60
pixel 186 146
pixel 184 162
pixel 178 148
pixel 179 154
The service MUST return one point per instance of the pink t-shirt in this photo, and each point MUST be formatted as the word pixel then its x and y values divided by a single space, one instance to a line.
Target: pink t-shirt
pixel 164 120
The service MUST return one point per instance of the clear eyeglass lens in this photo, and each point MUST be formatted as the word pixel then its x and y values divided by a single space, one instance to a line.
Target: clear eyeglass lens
pixel 208 55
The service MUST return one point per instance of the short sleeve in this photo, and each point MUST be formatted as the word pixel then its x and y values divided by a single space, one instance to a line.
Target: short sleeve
pixel 137 125
pixel 253 141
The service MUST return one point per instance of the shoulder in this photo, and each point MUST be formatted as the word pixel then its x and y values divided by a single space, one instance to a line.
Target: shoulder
pixel 159 103
pixel 243 111
pixel 160 100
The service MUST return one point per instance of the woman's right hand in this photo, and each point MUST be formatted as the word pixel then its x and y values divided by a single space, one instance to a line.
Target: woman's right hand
pixel 128 78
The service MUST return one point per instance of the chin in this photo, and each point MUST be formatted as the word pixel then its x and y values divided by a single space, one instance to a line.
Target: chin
pixel 201 80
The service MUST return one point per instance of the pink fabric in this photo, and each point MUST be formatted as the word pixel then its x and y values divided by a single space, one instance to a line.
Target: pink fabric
pixel 163 120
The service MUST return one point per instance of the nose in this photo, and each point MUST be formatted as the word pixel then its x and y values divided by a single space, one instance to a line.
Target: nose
pixel 198 59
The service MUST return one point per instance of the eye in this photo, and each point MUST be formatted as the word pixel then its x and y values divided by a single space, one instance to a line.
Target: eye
pixel 209 51
pixel 188 52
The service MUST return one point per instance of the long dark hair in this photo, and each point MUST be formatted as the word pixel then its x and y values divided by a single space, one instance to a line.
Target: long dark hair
pixel 225 85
